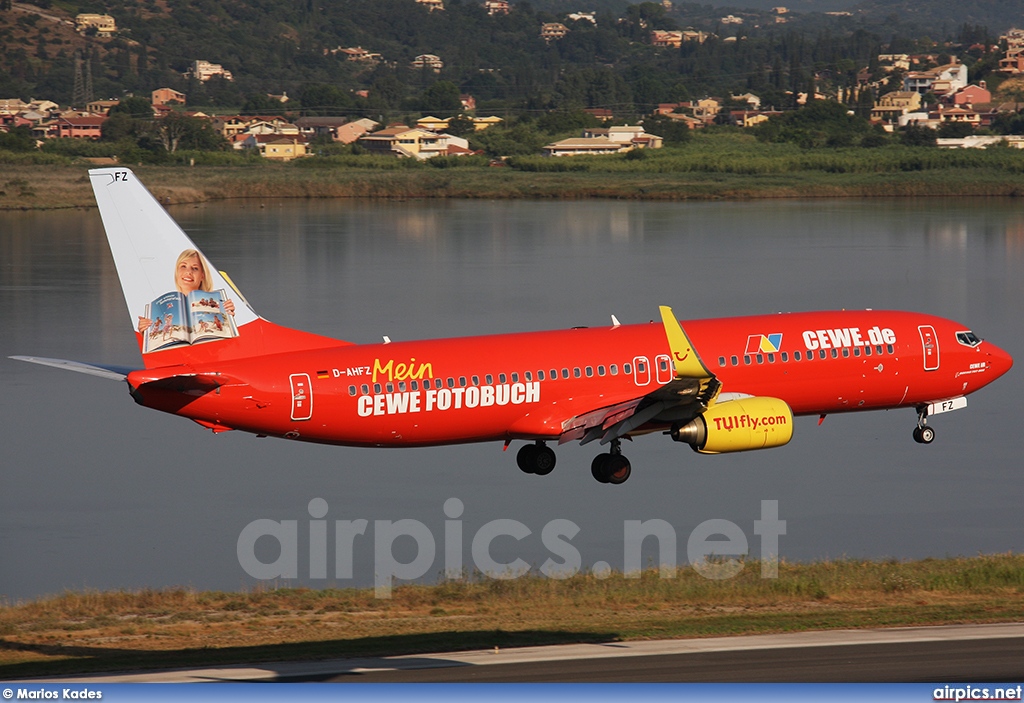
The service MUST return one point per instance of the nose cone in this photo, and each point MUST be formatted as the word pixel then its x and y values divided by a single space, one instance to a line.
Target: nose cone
pixel 1001 361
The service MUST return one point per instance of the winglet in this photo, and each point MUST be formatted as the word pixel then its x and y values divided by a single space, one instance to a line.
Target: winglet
pixel 684 357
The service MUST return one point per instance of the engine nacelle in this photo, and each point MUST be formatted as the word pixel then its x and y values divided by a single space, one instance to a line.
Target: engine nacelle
pixel 739 425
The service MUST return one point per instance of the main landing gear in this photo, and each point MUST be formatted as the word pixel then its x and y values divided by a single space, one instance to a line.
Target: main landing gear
pixel 536 458
pixel 612 467
pixel 923 434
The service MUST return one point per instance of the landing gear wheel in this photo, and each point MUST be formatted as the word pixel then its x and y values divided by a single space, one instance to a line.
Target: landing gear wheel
pixel 536 459
pixel 618 469
pixel 543 460
pixel 924 435
pixel 610 468
pixel 526 458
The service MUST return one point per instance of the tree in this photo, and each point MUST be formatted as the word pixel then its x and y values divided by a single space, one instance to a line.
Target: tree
pixel 561 121
pixel 672 131
pixel 120 125
pixel 177 130
pixel 134 107
pixel 262 104
pixel 323 99
pixel 820 122
pixel 461 126
pixel 441 99
pixel 955 130
pixel 17 139
pixel 915 135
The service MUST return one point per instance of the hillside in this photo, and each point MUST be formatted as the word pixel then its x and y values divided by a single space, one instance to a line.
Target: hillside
pixel 273 47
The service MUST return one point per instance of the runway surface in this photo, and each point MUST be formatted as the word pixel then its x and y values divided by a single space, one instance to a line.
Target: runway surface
pixel 954 653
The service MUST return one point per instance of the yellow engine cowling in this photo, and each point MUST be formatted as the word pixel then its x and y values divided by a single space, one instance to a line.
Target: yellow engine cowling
pixel 739 425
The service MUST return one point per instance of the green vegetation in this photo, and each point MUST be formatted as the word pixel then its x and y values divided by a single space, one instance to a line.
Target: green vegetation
pixel 177 627
pixel 274 47
pixel 721 163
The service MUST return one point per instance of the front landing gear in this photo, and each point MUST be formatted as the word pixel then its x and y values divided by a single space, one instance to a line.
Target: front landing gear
pixel 923 434
pixel 612 467
pixel 536 458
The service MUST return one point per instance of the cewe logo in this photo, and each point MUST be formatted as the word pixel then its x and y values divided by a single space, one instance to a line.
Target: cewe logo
pixel 764 343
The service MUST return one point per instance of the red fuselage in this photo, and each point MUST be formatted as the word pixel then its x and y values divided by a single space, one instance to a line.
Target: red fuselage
pixel 526 385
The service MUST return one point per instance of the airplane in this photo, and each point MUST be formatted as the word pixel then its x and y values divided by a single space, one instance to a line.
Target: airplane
pixel 718 385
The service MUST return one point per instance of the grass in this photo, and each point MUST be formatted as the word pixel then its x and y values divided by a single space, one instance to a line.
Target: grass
pixel 712 166
pixel 92 631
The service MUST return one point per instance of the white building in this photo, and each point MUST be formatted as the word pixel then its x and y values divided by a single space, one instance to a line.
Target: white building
pixel 204 71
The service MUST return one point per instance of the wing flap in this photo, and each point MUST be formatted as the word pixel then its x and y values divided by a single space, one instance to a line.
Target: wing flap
pixel 692 391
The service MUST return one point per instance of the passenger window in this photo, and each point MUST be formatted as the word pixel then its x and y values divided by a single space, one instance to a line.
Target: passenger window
pixel 734 360
pixel 796 356
pixel 451 382
pixel 502 378
pixel 462 381
pixel 565 373
pixel 663 365
pixel 490 379
pixel 889 348
pixel 390 387
pixel 785 356
pixel 476 380
pixel 415 385
pixel 401 386
pixel 529 375
pixel 835 353
pixel 590 371
pixel 856 351
pixel 846 352
pixel 760 358
pixel 576 372
pixel 878 349
pixel 746 359
pixel 867 351
pixel 540 375
pixel 822 354
pixel 365 389
pixel 600 370
pixel 351 390
pixel 721 361
pixel 627 369
pixel 614 368
pixel 376 388
pixel 771 358
pixel 554 374
pixel 515 378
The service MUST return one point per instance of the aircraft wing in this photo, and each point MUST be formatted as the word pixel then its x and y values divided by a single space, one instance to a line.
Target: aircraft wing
pixel 692 391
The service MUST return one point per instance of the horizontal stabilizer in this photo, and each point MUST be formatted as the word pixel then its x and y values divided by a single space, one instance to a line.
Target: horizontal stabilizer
pixel 116 373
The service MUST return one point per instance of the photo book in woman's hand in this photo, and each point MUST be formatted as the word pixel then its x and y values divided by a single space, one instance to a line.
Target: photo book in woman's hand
pixel 187 319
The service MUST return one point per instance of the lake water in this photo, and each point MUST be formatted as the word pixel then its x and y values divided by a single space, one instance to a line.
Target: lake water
pixel 96 492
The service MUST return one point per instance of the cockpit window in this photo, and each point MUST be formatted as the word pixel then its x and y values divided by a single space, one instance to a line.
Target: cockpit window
pixel 968 339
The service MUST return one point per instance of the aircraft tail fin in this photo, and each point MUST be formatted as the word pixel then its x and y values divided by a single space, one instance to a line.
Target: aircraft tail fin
pixel 183 309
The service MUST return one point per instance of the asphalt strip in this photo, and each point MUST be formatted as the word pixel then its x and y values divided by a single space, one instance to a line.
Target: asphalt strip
pixel 521 655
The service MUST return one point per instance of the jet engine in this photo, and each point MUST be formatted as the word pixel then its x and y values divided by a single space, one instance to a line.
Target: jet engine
pixel 738 425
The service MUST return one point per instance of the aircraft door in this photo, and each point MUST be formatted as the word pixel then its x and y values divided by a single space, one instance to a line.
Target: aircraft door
pixel 641 371
pixel 930 345
pixel 664 368
pixel 302 396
